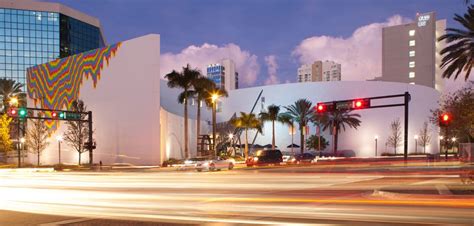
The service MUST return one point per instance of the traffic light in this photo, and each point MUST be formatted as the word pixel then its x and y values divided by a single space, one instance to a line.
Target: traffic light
pixel 13 112
pixel 324 107
pixel 22 112
pixel 360 103
pixel 62 115
pixel 444 119
pixel 54 114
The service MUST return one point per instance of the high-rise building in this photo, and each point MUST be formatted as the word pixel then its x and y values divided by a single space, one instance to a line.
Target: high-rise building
pixel 32 33
pixel 319 71
pixel 224 74
pixel 410 52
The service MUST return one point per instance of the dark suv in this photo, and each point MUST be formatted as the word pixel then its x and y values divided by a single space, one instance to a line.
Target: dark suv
pixel 265 157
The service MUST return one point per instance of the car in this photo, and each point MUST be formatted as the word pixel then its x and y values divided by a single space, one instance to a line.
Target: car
pixel 302 158
pixel 287 157
pixel 265 157
pixel 191 163
pixel 213 164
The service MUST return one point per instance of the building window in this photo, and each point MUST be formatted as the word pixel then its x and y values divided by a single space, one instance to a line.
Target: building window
pixel 411 64
pixel 412 53
pixel 412 43
pixel 412 32
pixel 411 74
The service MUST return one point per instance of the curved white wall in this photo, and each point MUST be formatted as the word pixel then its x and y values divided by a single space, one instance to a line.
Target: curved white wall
pixel 374 121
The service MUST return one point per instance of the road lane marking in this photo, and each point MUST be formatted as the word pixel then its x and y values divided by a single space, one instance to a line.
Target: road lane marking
pixel 66 222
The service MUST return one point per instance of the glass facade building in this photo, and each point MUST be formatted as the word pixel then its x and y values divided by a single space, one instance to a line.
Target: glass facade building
pixel 29 37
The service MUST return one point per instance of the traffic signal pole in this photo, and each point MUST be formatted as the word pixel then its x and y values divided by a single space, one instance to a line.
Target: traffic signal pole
pixel 405 132
pixel 90 146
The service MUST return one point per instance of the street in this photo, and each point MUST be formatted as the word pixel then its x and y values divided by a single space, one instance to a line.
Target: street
pixel 267 195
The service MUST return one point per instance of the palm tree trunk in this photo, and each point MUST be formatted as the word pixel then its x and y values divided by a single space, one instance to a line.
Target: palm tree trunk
pixel 246 150
pixel 301 139
pixel 79 158
pixel 38 160
pixel 186 151
pixel 198 123
pixel 334 134
pixel 292 138
pixel 273 134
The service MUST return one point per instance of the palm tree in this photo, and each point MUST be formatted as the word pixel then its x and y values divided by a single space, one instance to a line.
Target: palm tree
pixel 8 89
pixel 457 57
pixel 184 80
pixel 202 92
pixel 286 118
pixel 339 119
pixel 301 112
pixel 319 120
pixel 272 116
pixel 247 121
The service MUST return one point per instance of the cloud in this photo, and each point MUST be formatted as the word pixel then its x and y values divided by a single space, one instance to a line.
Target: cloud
pixel 359 55
pixel 201 56
pixel 272 66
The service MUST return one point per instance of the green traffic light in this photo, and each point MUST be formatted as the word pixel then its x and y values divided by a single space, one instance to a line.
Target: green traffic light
pixel 62 115
pixel 22 112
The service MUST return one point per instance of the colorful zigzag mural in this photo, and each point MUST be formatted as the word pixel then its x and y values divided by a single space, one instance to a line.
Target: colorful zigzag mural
pixel 56 84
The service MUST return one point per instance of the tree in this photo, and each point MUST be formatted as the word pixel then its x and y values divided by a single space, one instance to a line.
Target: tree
pixel 337 120
pixel 301 112
pixel 425 137
pixel 313 143
pixel 36 138
pixel 77 132
pixel 457 55
pixel 286 118
pixel 272 114
pixel 395 139
pixel 202 93
pixel 8 89
pixel 460 105
pixel 5 141
pixel 184 80
pixel 246 122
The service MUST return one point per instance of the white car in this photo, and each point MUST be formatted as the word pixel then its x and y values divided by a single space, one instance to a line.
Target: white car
pixel 216 163
pixel 192 162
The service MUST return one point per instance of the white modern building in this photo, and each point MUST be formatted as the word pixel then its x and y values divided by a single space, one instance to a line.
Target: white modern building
pixel 224 74
pixel 145 124
pixel 410 52
pixel 319 71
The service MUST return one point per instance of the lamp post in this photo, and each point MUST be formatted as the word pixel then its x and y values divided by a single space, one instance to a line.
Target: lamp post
pixel 59 138
pixel 416 144
pixel 376 137
pixel 454 141
pixel 214 98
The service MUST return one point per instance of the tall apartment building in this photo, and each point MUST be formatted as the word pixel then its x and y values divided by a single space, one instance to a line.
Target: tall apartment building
pixel 33 33
pixel 224 74
pixel 410 52
pixel 319 71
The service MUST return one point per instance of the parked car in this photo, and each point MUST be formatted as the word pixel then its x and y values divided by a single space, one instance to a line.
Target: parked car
pixel 265 157
pixel 216 163
pixel 287 157
pixel 302 158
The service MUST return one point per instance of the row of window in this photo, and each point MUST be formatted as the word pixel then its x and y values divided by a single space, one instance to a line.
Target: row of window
pixel 23 67
pixel 411 53
pixel 15 41
pixel 29 33
pixel 25 56
pixel 41 27
pixel 10 49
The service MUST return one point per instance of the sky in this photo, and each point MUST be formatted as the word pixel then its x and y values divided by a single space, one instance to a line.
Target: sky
pixel 268 39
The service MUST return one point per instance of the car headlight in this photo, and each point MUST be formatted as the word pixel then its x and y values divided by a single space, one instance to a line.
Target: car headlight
pixel 206 164
pixel 255 159
pixel 188 162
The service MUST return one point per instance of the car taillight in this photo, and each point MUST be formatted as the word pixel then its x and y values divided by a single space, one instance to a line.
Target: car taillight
pixel 255 159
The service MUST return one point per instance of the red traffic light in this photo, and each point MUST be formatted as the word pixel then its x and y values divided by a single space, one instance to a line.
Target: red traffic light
pixel 54 114
pixel 12 112
pixel 360 104
pixel 320 108
pixel 444 119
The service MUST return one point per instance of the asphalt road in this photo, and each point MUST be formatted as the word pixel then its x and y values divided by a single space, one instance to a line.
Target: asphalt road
pixel 306 195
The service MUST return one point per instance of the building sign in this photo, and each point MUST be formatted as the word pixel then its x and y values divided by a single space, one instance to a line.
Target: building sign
pixel 423 20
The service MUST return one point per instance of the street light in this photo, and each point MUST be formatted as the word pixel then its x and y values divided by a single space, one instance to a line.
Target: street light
pixel 59 138
pixel 13 101
pixel 214 98
pixel 416 144
pixel 376 138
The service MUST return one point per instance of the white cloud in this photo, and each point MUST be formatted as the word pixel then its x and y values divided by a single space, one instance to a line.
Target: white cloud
pixel 201 56
pixel 272 66
pixel 359 55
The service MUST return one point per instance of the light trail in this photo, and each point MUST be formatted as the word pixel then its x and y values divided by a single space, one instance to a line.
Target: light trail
pixel 229 197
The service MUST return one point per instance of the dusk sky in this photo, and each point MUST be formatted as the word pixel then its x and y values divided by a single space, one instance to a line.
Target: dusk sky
pixel 268 40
